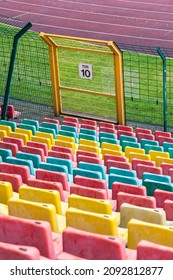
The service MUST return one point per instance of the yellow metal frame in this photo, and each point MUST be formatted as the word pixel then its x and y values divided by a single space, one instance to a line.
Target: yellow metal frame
pixel 55 75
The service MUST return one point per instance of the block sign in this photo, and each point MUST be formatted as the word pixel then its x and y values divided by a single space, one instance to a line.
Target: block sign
pixel 85 71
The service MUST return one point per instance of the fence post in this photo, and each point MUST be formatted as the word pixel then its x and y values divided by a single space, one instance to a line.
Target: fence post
pixel 11 67
pixel 163 57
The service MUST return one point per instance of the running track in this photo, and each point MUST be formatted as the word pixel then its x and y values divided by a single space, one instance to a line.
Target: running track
pixel 139 22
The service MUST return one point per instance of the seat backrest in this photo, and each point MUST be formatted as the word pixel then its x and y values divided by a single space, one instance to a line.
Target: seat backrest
pixel 127 188
pixel 15 230
pixel 87 173
pixel 23 171
pixel 14 179
pixel 22 162
pixel 52 176
pixel 43 184
pixel 81 158
pixel 142 136
pixel 31 122
pixel 155 154
pixel 45 135
pixel 122 172
pixel 56 154
pixel 129 150
pixel 48 130
pixel 34 211
pixel 168 207
pixel 44 140
pixel 161 196
pixel 4 153
pixel 61 161
pixel 34 151
pixel 136 161
pixel 152 185
pixel 147 250
pixel 24 131
pixel 10 251
pixel 90 204
pixel 13 140
pixel 93 246
pixel 138 200
pixel 20 135
pixel 134 155
pixel 118 164
pixel 42 196
pixel 88 192
pixel 149 232
pixel 51 125
pixel 6 192
pixel 35 158
pixel 122 179
pixel 90 182
pixel 11 146
pixel 28 127
pixel 131 144
pixel 91 222
pixel 108 140
pixel 93 167
pixel 39 145
pixel 141 168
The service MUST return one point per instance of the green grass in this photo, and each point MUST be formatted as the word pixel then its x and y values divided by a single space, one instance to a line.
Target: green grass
pixel 143 79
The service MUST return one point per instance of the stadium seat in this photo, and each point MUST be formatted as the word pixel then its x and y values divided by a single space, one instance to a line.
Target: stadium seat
pixel 152 251
pixel 138 200
pixel 91 182
pixel 88 131
pixel 14 179
pixel 152 185
pixel 6 192
pixel 10 251
pixel 20 135
pixel 137 155
pixel 54 126
pixel 127 188
pixel 124 127
pixel 28 127
pixel 48 244
pixel 23 171
pixel 93 246
pixel 4 153
pixel 86 173
pixel 35 158
pixel 31 122
pixel 88 159
pixel 12 146
pixel 142 213
pixel 106 124
pixel 168 207
pixel 142 136
pixel 118 164
pixel 66 144
pixel 55 168
pixel 161 196
pixel 70 134
pixel 88 192
pixel 107 135
pixel 149 232
pixel 141 168
pixel 167 145
pixel 61 162
pixel 87 137
pixel 63 150
pixel 93 167
pixel 48 185
pixel 50 131
pixel 43 196
pixel 122 179
pixel 12 124
pixel 24 131
pixel 129 150
pixel 45 135
pixel 37 211
pixel 34 151
pixel 22 162
pixel 6 128
pixel 39 145
pixel 158 133
pixel 108 140
pixel 43 140
pixel 47 175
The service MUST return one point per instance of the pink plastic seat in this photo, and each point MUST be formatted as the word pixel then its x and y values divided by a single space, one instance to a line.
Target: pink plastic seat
pixel 19 142
pixel 39 145
pixel 12 146
pixel 141 168
pixel 136 161
pixel 14 179
pixel 168 207
pixel 161 196
pixel 147 250
pixel 127 188
pixel 34 150
pixel 23 171
pixel 88 192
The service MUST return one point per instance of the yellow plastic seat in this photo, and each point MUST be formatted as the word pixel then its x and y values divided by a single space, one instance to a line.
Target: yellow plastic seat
pixel 22 136
pixel 133 155
pixel 6 192
pixel 66 144
pixel 111 146
pixel 3 133
pixel 94 222
pixel 65 138
pixel 105 151
pixel 155 154
pixel 159 160
pixel 6 128
pixel 129 150
pixel 24 131
pixel 99 206
pixel 47 141
pixel 3 209
pixel 88 142
pixel 37 211
pixel 139 230
pixel 43 196
pixel 89 149
pixel 46 135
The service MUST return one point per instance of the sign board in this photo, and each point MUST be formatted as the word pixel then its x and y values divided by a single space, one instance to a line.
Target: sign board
pixel 85 71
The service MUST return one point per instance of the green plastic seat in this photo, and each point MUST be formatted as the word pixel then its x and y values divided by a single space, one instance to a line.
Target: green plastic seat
pixel 148 148
pixel 36 159
pixel 93 167
pixel 152 185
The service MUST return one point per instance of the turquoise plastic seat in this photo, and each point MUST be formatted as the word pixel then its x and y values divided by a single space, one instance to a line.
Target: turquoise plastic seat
pixel 128 138
pixel 149 142
pixel 156 177
pixel 4 153
pixel 93 167
pixel 152 185
pixel 107 135
pixel 125 144
pixel 148 148
pixel 53 167
pixel 51 125
pixel 68 133
pixel 61 161
pixel 166 146
pixel 69 128
pixel 170 151
pixel 28 127
pixel 36 159
pixel 122 172
pixel 31 122
pixel 87 137
pixel 23 162
pixel 122 179
pixel 87 173
pixel 88 131
pixel 108 140
pixel 13 125
pixel 47 130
